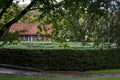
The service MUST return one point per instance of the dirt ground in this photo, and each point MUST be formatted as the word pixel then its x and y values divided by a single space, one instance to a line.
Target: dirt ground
pixel 54 74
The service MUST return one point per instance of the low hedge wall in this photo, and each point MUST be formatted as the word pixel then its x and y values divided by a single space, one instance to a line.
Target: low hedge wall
pixel 67 60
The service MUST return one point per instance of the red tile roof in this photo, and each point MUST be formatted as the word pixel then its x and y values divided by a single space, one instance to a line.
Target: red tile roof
pixel 30 28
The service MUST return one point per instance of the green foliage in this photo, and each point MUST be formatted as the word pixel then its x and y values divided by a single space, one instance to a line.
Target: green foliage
pixel 3 3
pixel 72 20
pixel 64 60
pixel 12 12
pixel 31 16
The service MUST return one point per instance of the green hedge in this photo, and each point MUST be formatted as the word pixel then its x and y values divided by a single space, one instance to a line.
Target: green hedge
pixel 67 60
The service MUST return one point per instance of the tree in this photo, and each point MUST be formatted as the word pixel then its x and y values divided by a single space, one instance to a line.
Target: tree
pixel 6 27
pixel 31 16
pixel 71 19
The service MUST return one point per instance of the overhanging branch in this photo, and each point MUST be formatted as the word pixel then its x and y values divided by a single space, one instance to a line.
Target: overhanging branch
pixel 5 8
pixel 8 25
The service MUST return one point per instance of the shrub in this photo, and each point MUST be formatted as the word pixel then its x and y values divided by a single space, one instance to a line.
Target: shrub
pixel 67 60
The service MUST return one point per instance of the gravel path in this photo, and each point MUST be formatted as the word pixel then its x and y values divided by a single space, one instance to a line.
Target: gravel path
pixel 55 74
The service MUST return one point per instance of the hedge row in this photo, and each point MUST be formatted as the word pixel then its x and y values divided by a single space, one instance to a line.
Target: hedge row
pixel 67 60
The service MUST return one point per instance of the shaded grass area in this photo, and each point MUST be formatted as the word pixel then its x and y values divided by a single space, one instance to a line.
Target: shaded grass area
pixel 21 77
pixel 111 71
pixel 108 71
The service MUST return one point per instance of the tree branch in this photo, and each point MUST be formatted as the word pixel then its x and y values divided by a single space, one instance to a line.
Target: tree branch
pixel 5 8
pixel 8 25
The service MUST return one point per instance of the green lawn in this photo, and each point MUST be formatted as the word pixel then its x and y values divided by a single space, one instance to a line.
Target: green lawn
pixel 20 77
pixel 53 45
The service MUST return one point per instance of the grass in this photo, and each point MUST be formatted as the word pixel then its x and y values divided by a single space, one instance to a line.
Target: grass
pixel 21 77
pixel 51 45
pixel 111 71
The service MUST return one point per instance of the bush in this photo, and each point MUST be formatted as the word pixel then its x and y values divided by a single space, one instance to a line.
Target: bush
pixel 67 60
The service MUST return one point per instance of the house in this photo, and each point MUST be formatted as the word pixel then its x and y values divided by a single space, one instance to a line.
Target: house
pixel 32 31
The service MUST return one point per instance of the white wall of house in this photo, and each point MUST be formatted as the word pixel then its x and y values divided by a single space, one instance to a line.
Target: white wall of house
pixel 30 38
